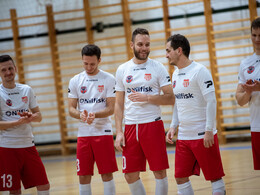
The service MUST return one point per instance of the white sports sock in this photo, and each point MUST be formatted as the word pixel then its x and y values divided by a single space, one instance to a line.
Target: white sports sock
pixel 109 187
pixel 85 189
pixel 161 186
pixel 218 187
pixel 45 192
pixel 137 188
pixel 185 189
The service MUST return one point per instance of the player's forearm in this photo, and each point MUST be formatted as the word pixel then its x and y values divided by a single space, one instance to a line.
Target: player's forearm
pixel 104 113
pixel 74 113
pixel 242 98
pixel 118 119
pixel 8 124
pixel 164 99
pixel 37 117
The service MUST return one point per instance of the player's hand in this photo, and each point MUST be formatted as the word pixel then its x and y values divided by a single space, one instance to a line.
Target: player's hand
pixel 138 97
pixel 84 116
pixel 169 135
pixel 91 117
pixel 120 141
pixel 251 86
pixel 208 139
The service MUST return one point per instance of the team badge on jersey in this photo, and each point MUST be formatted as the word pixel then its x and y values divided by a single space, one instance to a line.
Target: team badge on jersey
pixel 250 69
pixel 148 77
pixel 9 102
pixel 83 89
pixel 25 99
pixel 186 82
pixel 100 88
pixel 129 79
pixel 174 84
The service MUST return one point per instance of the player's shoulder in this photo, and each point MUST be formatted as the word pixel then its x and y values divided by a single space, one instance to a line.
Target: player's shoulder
pixel 105 74
pixel 249 60
pixel 154 63
pixel 22 86
pixel 78 76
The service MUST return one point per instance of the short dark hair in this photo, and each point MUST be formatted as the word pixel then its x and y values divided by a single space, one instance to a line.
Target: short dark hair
pixel 140 31
pixel 255 24
pixel 179 40
pixel 91 50
pixel 5 58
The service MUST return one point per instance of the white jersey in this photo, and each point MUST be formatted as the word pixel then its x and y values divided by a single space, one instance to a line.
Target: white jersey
pixel 145 78
pixel 19 99
pixel 190 84
pixel 250 69
pixel 91 92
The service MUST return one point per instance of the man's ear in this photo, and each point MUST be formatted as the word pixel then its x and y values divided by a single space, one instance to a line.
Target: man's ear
pixel 179 50
pixel 132 44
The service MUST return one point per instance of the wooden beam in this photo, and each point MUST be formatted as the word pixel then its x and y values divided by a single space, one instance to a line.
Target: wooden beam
pixel 57 76
pixel 88 21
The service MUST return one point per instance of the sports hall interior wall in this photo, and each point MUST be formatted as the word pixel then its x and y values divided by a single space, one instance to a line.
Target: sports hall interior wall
pixel 45 39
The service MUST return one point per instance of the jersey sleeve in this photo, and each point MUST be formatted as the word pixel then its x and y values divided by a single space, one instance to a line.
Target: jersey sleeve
pixel 241 77
pixel 205 81
pixel 72 90
pixel 119 79
pixel 32 99
pixel 164 78
pixel 111 86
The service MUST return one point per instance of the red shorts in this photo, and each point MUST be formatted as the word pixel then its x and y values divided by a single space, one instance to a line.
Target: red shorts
pixel 255 137
pixel 191 155
pixel 150 144
pixel 96 148
pixel 21 164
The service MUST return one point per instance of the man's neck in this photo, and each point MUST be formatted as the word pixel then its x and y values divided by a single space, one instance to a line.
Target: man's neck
pixel 9 85
pixel 137 61
pixel 184 63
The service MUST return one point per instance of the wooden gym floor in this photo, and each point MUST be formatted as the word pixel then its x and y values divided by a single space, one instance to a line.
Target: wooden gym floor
pixel 240 177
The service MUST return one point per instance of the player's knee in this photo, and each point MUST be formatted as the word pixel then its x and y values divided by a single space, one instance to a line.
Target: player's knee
pixel 182 180
pixel 107 177
pixel 43 187
pixel 15 192
pixel 132 177
pixel 160 174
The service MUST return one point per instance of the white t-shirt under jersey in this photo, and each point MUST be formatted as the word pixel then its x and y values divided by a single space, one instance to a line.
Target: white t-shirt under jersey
pixel 190 84
pixel 91 92
pixel 250 69
pixel 19 99
pixel 145 78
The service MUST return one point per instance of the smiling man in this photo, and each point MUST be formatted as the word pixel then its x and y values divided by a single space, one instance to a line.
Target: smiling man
pixel 248 90
pixel 91 100
pixel 19 159
pixel 139 83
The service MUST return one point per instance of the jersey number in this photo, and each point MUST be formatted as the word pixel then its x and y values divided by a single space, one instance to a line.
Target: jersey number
pixel 7 180
pixel 78 167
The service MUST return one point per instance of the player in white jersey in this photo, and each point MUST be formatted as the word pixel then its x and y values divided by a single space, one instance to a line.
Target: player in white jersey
pixel 194 113
pixel 19 160
pixel 138 85
pixel 248 90
pixel 91 99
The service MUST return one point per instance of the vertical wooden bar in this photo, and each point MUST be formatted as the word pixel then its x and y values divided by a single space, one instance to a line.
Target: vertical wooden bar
pixel 17 46
pixel 167 28
pixel 127 27
pixel 88 21
pixel 57 77
pixel 213 65
pixel 252 9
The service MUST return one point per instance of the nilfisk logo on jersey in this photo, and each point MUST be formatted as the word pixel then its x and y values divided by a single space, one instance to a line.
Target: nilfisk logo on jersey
pixel 9 102
pixel 15 112
pixel 148 77
pixel 129 79
pixel 186 82
pixel 25 99
pixel 184 96
pixel 92 100
pixel 83 89
pixel 250 69
pixel 174 84
pixel 140 89
pixel 101 88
